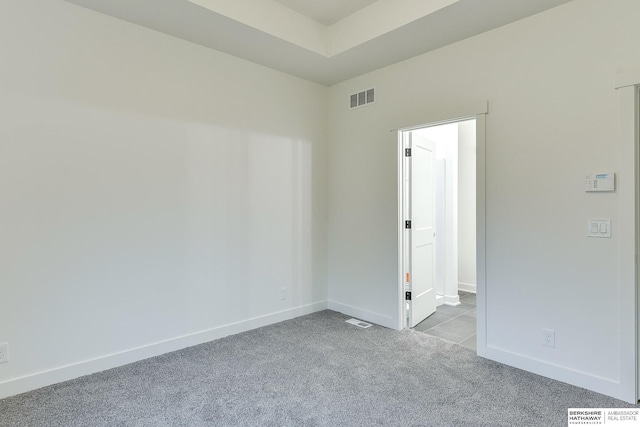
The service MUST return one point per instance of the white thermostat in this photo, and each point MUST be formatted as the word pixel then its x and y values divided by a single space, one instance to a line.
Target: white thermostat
pixel 604 181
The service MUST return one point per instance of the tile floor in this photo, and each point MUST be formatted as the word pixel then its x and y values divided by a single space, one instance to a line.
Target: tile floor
pixel 453 323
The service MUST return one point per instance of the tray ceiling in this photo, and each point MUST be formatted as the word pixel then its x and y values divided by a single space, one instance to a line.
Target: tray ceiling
pixel 323 41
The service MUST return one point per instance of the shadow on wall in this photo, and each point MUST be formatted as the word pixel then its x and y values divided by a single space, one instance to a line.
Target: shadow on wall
pixel 146 231
pixel 250 208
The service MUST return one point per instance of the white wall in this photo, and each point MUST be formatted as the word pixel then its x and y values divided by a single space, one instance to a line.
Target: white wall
pixel 151 191
pixel 467 205
pixel 553 117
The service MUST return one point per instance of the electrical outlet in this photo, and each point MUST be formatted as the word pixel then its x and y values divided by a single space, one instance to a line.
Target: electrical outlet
pixel 548 338
pixel 283 294
pixel 4 352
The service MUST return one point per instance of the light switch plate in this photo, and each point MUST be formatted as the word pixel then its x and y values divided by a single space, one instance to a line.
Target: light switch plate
pixel 599 228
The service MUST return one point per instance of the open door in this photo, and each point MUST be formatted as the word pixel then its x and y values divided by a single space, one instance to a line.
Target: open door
pixel 423 226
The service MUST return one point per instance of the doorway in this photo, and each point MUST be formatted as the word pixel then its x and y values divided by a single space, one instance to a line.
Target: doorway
pixel 438 249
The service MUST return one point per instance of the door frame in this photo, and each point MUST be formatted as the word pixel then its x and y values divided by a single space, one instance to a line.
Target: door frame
pixel 481 291
pixel 628 88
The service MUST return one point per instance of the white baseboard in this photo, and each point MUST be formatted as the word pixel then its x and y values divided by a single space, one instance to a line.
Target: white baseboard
pixel 451 299
pixel 574 377
pixel 378 319
pixel 37 380
pixel 467 287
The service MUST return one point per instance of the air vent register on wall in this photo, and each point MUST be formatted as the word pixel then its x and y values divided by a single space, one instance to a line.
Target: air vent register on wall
pixel 363 98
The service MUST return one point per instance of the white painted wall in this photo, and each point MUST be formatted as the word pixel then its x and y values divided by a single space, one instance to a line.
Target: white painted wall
pixel 467 205
pixel 553 116
pixel 153 193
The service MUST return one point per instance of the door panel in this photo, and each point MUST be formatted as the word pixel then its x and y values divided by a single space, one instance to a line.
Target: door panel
pixel 423 240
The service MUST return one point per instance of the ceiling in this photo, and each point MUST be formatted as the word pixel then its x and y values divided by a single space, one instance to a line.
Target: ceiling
pixel 325 41
pixel 326 12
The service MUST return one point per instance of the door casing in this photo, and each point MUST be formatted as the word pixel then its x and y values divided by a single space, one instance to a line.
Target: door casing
pixel 401 319
pixel 627 84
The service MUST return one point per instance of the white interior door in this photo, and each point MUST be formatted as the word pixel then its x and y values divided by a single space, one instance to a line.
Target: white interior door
pixel 423 238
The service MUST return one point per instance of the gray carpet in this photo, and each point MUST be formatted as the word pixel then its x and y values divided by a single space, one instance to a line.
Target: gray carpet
pixel 315 370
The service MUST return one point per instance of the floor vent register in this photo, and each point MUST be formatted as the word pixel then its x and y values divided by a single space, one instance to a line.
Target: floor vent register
pixel 359 323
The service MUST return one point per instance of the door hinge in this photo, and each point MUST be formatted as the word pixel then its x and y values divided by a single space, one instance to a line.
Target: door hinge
pixel 407 224
pixel 407 296
pixel 407 152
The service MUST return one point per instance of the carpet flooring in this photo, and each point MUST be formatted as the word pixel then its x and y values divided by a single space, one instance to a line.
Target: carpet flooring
pixel 315 370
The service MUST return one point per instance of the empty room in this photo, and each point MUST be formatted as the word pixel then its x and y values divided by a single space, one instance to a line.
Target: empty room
pixel 197 197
